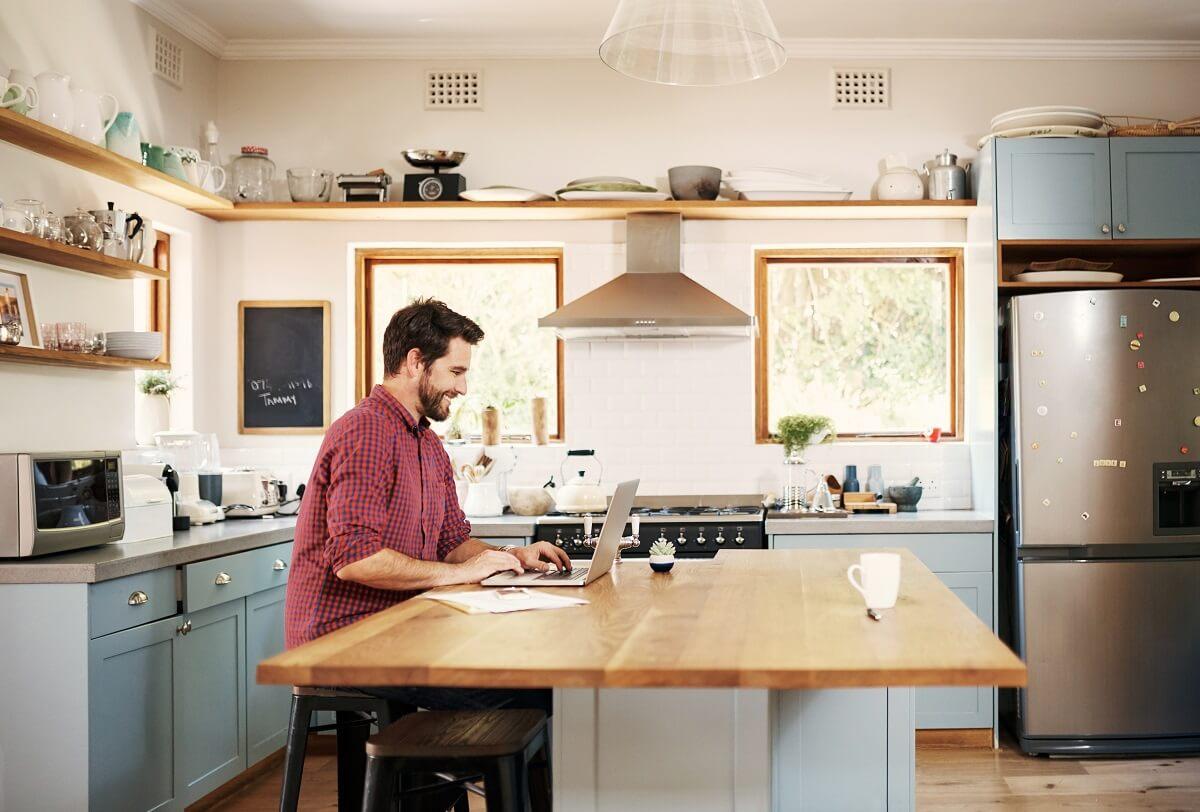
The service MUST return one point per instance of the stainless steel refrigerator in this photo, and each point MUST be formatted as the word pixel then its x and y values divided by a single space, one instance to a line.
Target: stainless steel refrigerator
pixel 1100 519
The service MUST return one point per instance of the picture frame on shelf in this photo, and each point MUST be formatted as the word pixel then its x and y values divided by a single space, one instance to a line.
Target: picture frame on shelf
pixel 16 303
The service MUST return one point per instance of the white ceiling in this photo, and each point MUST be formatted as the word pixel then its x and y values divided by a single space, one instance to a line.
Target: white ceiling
pixel 545 27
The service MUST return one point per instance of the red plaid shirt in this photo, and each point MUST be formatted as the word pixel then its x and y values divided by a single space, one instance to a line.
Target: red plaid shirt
pixel 381 479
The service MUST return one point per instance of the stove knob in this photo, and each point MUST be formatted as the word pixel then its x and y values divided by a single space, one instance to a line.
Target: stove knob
pixel 558 541
pixel 738 539
pixel 682 540
pixel 700 537
pixel 720 537
pixel 662 535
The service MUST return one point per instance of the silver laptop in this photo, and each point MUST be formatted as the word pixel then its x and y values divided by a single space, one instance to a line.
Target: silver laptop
pixel 602 558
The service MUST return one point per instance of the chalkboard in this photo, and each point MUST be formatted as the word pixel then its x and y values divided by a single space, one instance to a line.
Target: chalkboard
pixel 283 367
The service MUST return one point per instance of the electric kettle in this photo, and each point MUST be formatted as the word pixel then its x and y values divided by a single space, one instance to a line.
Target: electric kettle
pixel 581 493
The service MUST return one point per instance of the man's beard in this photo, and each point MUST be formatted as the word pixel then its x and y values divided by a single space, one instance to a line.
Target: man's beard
pixel 433 402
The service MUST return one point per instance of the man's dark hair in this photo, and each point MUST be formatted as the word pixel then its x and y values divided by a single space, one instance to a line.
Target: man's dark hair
pixel 426 325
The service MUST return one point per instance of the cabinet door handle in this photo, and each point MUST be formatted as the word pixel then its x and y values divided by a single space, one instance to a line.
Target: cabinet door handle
pixel 222 578
pixel 280 565
pixel 185 628
pixel 1105 229
pixel 139 598
pixel 1121 227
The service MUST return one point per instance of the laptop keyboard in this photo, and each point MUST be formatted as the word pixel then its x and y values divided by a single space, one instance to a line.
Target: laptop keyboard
pixel 564 575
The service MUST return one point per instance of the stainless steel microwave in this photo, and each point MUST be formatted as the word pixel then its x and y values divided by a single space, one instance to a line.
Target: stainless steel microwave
pixel 59 501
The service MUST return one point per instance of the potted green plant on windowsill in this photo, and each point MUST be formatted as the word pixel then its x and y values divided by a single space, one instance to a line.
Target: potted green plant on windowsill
pixel 798 431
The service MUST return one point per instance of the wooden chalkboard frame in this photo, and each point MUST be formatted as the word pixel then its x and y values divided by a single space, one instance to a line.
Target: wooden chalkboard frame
pixel 241 363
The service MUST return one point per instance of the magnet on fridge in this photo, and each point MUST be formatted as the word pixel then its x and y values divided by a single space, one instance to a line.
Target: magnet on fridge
pixel 1196 391
pixel 1174 315
pixel 1038 316
pixel 1092 300
pixel 1143 388
pixel 1124 321
pixel 1117 423
pixel 1124 463
pixel 1184 449
pixel 1042 411
pixel 1085 515
pixel 1042 383
pixel 1141 364
pixel 1046 502
pixel 1035 446
pixel 1156 303
pixel 1059 460
pixel 1037 353
pixel 1140 334
pixel 1135 345
pixel 1074 435
pixel 1196 422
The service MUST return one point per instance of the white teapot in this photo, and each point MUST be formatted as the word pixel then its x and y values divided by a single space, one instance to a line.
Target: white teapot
pixel 899 181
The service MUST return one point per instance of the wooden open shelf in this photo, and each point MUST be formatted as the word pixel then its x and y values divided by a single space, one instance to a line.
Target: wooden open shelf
pixel 1138 260
pixel 54 143
pixel 601 210
pixel 36 355
pixel 28 246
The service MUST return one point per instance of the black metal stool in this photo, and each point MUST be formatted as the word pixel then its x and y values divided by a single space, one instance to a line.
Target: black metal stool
pixel 507 748
pixel 354 713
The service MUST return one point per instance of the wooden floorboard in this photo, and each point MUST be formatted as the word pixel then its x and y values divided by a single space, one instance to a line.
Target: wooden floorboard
pixel 958 778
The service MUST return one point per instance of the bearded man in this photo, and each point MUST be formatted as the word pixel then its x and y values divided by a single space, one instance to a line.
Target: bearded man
pixel 380 520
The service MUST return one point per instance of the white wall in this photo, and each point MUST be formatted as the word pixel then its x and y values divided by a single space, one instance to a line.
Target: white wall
pixel 689 405
pixel 103 46
pixel 548 121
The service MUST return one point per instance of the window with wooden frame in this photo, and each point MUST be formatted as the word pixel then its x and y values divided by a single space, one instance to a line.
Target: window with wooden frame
pixel 505 291
pixel 871 338
pixel 152 302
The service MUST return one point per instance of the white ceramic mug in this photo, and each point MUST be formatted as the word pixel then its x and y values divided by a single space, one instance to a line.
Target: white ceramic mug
pixel 27 104
pixel 880 573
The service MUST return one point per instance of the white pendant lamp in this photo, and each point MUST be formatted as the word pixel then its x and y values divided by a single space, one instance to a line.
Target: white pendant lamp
pixel 693 42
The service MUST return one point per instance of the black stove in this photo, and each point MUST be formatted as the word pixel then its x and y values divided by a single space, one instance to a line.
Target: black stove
pixel 696 530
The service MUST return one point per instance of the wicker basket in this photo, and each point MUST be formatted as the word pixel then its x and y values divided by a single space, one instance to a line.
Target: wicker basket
pixel 1143 125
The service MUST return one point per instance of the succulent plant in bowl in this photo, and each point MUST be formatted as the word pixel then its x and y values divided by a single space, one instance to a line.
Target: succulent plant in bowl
pixel 662 556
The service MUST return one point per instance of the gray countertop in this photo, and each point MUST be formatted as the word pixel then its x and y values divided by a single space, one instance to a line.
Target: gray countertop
pixel 507 526
pixel 923 521
pixel 110 561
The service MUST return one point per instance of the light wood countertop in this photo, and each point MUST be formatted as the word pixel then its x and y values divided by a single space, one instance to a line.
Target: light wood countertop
pixel 785 619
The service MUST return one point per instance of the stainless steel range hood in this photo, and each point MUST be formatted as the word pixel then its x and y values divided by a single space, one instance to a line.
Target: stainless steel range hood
pixel 653 298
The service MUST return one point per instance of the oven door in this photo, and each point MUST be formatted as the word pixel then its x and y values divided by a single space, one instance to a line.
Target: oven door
pixel 70 501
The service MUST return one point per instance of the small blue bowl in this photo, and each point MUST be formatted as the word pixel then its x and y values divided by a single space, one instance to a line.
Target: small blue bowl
pixel 662 566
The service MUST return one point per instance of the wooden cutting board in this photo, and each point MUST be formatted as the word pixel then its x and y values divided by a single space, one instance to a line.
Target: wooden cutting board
pixel 871 507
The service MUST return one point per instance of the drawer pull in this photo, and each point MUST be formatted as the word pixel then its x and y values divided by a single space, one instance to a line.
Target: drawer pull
pixel 223 578
pixel 280 565
pixel 139 598
pixel 185 628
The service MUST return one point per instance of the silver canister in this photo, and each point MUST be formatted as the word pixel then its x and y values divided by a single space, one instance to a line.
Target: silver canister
pixel 947 180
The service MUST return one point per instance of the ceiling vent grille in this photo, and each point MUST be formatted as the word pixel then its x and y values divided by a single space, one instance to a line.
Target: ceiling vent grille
pixel 454 90
pixel 862 88
pixel 168 59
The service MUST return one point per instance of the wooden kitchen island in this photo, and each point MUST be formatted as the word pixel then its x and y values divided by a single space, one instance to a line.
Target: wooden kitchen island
pixel 752 681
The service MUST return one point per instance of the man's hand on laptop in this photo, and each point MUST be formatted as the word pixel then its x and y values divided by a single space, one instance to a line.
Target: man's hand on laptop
pixel 542 556
pixel 488 563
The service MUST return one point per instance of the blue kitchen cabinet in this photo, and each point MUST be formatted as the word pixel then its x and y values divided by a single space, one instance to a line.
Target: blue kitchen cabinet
pixel 1156 188
pixel 1053 188
pixel 267 706
pixel 210 699
pixel 963 562
pixel 131 730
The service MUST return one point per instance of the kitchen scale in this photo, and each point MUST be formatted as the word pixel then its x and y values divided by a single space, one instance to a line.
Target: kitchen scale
pixel 436 186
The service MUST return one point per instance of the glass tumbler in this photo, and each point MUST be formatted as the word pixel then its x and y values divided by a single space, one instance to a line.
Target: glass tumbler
pixel 50 336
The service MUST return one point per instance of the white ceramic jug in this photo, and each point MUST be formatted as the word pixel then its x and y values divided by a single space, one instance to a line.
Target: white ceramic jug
pixel 55 106
pixel 91 124
pixel 482 500
pixel 900 182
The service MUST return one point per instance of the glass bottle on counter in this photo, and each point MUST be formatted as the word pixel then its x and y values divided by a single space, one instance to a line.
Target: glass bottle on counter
pixel 252 172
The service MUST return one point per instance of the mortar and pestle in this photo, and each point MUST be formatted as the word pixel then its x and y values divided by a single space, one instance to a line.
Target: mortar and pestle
pixel 906 497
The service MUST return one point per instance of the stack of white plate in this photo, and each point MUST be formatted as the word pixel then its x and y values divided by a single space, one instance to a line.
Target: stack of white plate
pixel 769 183
pixel 609 187
pixel 1049 121
pixel 131 344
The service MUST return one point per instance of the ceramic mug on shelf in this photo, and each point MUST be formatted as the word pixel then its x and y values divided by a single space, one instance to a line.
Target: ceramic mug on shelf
pixel 27 104
pixel 172 165
pixel 91 121
pixel 55 105
pixel 880 574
